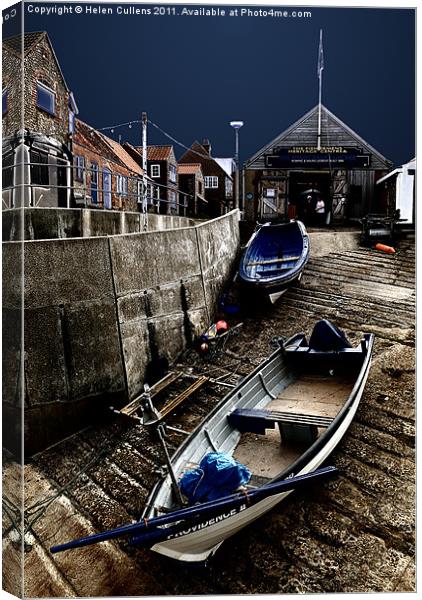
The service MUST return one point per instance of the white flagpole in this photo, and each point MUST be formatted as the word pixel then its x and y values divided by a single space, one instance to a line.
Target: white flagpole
pixel 320 69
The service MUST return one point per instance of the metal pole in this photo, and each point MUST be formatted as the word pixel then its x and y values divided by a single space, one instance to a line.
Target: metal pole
pixel 237 169
pixel 236 126
pixel 319 110
pixel 320 70
pixel 144 167
pixel 171 472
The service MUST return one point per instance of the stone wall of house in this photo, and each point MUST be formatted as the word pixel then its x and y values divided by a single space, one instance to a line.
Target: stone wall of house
pixel 12 83
pixel 40 65
pixel 99 309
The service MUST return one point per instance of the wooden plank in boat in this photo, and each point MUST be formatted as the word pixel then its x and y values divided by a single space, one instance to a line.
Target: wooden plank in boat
pixel 272 261
pixel 253 416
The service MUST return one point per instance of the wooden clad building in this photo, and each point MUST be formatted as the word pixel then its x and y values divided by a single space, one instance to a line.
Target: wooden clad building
pixel 343 172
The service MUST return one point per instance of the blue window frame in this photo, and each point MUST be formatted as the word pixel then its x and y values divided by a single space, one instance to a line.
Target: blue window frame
pixel 107 188
pixel 4 102
pixel 46 98
pixel 94 182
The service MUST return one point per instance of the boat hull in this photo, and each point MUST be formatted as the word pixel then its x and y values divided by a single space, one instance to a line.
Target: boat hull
pixel 275 258
pixel 294 382
pixel 197 545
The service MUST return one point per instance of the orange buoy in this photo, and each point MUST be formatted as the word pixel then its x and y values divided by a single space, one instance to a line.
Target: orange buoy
pixel 384 248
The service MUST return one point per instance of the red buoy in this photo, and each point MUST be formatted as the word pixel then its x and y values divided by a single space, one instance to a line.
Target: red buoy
pixel 384 248
pixel 221 327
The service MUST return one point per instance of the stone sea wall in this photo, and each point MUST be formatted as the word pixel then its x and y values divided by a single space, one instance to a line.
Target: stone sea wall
pixel 98 310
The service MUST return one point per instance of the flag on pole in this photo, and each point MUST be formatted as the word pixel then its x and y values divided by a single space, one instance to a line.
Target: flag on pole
pixel 320 55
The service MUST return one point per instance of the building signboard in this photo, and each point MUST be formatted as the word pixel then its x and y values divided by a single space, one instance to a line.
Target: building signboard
pixel 311 156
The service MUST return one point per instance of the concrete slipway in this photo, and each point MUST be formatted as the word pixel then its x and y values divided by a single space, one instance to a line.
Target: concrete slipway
pixel 355 534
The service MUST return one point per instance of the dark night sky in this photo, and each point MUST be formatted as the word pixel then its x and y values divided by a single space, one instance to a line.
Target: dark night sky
pixel 195 74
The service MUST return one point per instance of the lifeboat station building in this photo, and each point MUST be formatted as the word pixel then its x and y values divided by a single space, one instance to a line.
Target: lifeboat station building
pixel 291 171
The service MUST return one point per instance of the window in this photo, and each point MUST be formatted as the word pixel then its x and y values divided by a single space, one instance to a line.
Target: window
pixel 229 188
pixel 173 173
pixel 7 164
pixel 199 187
pixel 155 170
pixel 211 181
pixel 4 102
pixel 121 185
pixel 107 188
pixel 79 163
pixel 270 192
pixel 46 98
pixel 39 167
pixel 94 182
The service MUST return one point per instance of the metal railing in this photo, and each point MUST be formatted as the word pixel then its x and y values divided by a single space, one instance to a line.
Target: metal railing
pixel 84 186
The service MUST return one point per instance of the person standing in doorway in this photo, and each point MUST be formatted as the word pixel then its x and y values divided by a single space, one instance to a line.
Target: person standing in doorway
pixel 320 211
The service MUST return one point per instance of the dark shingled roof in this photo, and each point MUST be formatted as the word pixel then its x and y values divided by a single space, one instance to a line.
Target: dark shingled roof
pixel 198 153
pixel 29 39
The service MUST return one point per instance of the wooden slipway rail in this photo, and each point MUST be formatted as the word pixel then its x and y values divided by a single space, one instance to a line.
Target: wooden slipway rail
pixel 354 534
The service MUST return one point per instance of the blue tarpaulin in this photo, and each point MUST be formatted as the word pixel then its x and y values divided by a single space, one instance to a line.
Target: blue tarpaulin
pixel 217 476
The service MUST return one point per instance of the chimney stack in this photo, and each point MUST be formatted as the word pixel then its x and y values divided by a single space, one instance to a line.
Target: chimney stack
pixel 207 145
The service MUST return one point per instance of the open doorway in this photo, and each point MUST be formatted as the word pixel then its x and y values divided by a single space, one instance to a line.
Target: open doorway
pixel 306 188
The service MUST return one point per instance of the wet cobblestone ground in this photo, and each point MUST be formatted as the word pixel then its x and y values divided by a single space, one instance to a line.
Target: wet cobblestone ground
pixel 354 534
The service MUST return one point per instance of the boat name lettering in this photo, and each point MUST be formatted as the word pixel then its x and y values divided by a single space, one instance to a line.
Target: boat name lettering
pixel 208 523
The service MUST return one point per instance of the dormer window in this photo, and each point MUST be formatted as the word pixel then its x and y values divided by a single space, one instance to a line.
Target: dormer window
pixel 46 98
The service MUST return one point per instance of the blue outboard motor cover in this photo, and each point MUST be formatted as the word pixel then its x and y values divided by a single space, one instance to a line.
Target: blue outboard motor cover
pixel 326 337
pixel 218 475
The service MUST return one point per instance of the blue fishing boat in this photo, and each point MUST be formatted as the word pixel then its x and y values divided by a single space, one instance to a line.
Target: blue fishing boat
pixel 275 257
pixel 271 434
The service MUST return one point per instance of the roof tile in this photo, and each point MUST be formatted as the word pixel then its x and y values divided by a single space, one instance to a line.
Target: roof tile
pixel 189 168
pixel 156 152
pixel 99 143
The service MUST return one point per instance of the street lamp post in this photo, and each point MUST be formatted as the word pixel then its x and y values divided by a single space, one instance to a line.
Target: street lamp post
pixel 236 126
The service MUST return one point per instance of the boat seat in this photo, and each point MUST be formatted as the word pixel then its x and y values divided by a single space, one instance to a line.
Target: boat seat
pixel 272 271
pixel 294 427
pixel 272 261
